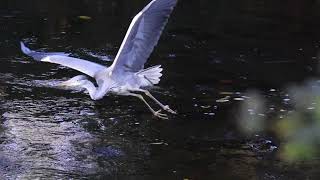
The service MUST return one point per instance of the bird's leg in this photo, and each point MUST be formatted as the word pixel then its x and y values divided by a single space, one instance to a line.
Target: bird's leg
pixel 155 113
pixel 164 107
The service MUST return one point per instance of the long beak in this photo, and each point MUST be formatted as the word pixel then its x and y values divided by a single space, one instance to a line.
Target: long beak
pixel 66 84
pixel 63 84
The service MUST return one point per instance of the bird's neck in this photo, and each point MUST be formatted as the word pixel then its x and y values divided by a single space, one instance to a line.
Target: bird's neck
pixel 92 89
pixel 99 92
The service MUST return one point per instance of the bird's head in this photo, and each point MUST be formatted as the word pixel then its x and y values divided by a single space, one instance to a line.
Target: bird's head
pixel 77 81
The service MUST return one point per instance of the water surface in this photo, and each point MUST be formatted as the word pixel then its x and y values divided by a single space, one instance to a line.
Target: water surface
pixel 212 52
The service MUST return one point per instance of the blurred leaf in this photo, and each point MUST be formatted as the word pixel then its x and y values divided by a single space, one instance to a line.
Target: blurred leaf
pixel 252 113
pixel 295 151
pixel 287 127
pixel 85 18
pixel 317 109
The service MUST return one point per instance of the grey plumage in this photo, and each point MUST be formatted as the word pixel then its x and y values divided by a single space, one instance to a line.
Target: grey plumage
pixel 142 36
pixel 127 74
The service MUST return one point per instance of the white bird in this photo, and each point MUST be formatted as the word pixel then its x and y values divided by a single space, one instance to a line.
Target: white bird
pixel 126 76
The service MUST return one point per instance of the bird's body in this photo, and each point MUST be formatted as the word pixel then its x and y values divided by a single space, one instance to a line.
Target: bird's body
pixel 127 74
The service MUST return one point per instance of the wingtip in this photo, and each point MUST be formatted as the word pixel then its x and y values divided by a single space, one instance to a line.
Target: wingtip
pixel 24 48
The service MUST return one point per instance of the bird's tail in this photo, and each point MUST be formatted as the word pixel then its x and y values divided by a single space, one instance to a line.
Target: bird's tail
pixel 150 76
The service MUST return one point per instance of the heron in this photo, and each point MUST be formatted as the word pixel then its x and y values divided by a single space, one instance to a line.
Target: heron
pixel 127 75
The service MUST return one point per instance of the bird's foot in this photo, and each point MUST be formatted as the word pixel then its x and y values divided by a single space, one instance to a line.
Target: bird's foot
pixel 167 108
pixel 160 115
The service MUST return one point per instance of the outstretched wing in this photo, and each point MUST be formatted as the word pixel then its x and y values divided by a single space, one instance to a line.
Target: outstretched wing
pixel 142 36
pixel 39 55
pixel 84 66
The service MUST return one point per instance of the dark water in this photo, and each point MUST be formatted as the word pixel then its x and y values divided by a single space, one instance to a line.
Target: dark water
pixel 212 53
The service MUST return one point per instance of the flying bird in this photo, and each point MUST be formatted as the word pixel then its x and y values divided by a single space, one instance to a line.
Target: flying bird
pixel 127 75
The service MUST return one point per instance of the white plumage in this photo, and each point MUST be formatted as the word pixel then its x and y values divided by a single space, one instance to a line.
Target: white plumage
pixel 127 74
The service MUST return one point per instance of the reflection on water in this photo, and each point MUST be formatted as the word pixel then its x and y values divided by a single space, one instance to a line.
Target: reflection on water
pixel 211 56
pixel 50 137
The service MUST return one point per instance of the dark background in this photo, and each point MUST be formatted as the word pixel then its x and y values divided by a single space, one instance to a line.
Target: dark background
pixel 273 36
pixel 210 49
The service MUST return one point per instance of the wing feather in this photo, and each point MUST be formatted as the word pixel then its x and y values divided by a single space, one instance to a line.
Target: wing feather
pixel 39 55
pixel 84 66
pixel 142 36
